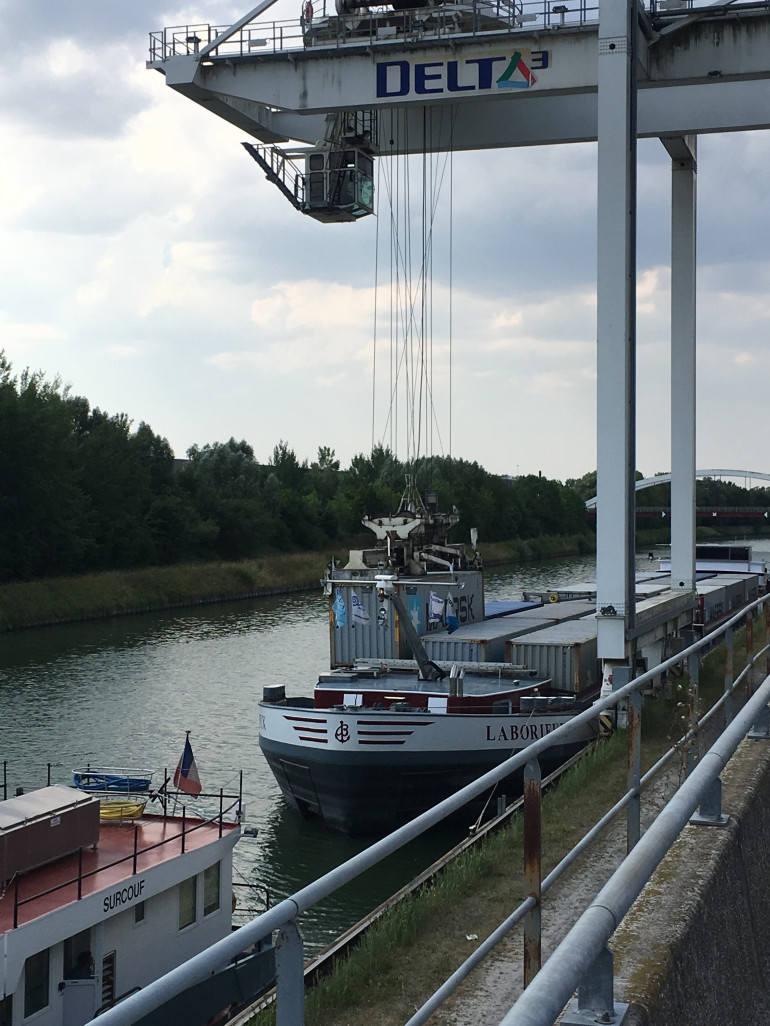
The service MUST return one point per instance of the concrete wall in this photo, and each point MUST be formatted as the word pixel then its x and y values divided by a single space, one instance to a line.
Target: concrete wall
pixel 695 948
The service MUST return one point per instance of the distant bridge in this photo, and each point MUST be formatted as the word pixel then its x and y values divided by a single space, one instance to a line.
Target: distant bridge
pixel 710 512
pixel 650 482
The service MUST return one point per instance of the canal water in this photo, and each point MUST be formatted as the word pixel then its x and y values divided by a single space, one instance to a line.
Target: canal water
pixel 122 692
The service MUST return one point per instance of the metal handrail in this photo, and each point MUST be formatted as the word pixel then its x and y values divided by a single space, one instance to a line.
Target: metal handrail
pixel 361 27
pixel 279 36
pixel 282 917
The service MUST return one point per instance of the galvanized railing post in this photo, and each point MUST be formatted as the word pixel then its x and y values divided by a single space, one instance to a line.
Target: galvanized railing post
pixel 289 977
pixel 693 670
pixel 632 719
pixel 749 653
pixel 595 1000
pixel 533 869
pixel 761 728
pixel 729 676
pixel 710 809
pixel 634 812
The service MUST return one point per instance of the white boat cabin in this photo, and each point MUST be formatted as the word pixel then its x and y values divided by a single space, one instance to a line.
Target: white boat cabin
pixel 92 910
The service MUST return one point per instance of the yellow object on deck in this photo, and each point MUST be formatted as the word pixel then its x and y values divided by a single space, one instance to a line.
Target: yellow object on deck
pixel 121 811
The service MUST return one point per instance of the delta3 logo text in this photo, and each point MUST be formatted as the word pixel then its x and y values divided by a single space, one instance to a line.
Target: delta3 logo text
pixel 489 73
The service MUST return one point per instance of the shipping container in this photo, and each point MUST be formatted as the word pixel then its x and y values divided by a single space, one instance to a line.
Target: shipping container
pixel 565 652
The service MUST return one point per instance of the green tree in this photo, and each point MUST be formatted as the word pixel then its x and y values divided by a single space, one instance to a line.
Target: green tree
pixel 225 486
pixel 43 510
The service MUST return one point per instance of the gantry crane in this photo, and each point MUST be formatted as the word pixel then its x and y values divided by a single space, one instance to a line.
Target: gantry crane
pixel 323 94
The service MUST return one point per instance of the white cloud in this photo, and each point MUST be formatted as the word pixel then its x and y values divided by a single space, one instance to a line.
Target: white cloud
pixel 23 333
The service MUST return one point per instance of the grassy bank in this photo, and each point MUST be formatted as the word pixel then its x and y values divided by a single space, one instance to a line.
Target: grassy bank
pixel 63 599
pixel 544 547
pixel 92 596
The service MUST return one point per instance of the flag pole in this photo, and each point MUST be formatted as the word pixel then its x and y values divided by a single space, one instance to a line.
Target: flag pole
pixel 177 775
pixel 186 777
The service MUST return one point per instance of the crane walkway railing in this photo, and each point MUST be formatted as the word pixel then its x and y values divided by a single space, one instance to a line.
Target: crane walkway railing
pixel 581 959
pixel 330 24
pixel 325 25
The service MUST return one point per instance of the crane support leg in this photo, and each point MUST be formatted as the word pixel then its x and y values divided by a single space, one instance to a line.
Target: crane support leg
pixel 616 328
pixel 683 274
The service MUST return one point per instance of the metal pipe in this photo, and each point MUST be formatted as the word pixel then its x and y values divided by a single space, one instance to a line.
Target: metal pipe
pixel 750 650
pixel 634 771
pixel 533 815
pixel 693 751
pixel 729 673
pixel 235 27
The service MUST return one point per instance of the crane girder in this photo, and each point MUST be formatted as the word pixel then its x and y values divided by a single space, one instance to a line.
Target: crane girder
pixel 712 75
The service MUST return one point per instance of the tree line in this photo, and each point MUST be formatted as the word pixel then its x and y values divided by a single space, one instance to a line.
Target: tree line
pixel 83 491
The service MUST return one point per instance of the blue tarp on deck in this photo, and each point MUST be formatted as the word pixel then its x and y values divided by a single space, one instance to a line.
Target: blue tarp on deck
pixel 502 607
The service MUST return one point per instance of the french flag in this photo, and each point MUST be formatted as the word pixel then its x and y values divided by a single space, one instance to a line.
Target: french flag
pixel 186 775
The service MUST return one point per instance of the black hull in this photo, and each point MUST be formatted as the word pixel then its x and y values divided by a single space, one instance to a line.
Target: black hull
pixel 378 792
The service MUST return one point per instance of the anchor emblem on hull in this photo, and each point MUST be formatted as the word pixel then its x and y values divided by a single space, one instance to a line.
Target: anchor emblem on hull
pixel 342 733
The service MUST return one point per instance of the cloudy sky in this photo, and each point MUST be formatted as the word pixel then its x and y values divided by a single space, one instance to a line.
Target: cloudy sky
pixel 148 263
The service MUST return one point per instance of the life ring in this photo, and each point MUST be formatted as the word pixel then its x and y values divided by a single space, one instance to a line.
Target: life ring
pixel 553 597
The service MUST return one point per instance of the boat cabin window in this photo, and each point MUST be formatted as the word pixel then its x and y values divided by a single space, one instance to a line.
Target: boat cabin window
pixel 211 877
pixel 36 982
pixel 74 947
pixel 6 1011
pixel 187 901
pixel 139 912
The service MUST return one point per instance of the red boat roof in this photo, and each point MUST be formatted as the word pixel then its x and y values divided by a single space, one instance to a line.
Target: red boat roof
pixel 53 886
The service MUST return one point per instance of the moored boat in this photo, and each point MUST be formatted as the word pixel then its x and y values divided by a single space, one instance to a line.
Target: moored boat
pixel 422 695
pixel 123 781
pixel 98 898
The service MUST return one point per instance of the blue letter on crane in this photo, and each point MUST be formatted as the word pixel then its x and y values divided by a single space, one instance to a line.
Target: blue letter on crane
pixel 403 78
pixel 452 81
